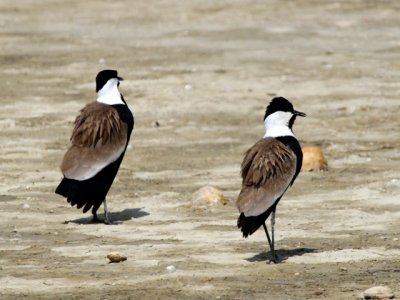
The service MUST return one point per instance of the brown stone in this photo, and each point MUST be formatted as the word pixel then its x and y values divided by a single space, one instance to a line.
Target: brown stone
pixel 313 159
pixel 115 257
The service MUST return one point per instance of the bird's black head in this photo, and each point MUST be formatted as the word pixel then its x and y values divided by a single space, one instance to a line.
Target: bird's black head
pixel 104 76
pixel 280 104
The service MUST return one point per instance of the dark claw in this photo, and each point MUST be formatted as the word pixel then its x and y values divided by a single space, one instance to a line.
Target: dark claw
pixel 108 222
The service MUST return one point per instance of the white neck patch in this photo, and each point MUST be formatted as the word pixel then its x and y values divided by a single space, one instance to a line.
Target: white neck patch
pixel 109 93
pixel 277 124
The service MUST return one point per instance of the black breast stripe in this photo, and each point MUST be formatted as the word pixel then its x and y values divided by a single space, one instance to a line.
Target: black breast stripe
pixel 126 116
pixel 294 144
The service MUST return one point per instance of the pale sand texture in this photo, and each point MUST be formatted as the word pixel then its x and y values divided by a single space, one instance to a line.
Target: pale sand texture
pixel 204 70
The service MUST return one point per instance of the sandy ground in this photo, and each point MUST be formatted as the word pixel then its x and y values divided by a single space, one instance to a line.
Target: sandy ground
pixel 205 70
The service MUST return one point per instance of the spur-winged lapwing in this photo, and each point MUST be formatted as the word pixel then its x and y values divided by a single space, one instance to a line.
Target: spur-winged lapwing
pixel 268 169
pixel 98 144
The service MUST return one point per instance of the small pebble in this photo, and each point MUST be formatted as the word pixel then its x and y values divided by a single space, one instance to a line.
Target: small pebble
pixel 343 269
pixel 26 206
pixel 115 257
pixel 318 293
pixel 296 274
pixel 395 239
pixel 171 268
pixel 188 87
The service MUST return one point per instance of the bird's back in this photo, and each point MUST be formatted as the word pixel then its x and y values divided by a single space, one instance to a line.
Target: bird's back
pixel 268 168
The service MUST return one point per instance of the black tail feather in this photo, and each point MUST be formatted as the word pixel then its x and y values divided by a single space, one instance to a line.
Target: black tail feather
pixel 89 193
pixel 249 225
pixel 96 207
pixel 87 207
pixel 63 188
pixel 81 193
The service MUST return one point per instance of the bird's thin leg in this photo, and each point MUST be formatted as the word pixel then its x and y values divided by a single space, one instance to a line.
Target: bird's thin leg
pixel 266 232
pixel 274 257
pixel 106 218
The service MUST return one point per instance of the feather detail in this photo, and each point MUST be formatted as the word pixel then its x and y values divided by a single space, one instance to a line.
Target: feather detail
pixel 96 121
pixel 267 171
pixel 98 139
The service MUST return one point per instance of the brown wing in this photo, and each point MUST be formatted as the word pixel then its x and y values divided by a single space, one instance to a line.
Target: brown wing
pixel 97 122
pixel 267 170
pixel 99 138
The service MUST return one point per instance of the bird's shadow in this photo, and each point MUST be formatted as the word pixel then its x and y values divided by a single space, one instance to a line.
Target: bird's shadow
pixel 116 217
pixel 282 254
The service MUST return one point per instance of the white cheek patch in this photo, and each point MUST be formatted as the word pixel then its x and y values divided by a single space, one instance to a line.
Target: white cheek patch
pixel 277 124
pixel 109 93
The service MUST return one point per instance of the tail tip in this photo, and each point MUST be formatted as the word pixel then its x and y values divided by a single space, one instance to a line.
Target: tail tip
pixel 241 225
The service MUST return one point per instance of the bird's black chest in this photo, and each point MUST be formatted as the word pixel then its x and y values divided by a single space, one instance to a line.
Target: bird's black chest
pixel 126 116
pixel 294 145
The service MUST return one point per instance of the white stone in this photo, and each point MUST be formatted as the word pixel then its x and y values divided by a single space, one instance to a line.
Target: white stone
pixel 377 292
pixel 170 269
pixel 208 196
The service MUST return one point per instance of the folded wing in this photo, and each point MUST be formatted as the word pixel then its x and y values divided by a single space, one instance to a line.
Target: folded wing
pixel 267 170
pixel 98 139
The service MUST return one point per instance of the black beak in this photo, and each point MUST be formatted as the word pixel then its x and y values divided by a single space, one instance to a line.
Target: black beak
pixel 299 113
pixel 120 78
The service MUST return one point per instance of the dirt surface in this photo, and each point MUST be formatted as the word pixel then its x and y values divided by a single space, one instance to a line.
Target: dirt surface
pixel 205 70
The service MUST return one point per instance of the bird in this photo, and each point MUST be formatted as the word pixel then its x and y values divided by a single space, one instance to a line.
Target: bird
pixel 268 169
pixel 99 140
